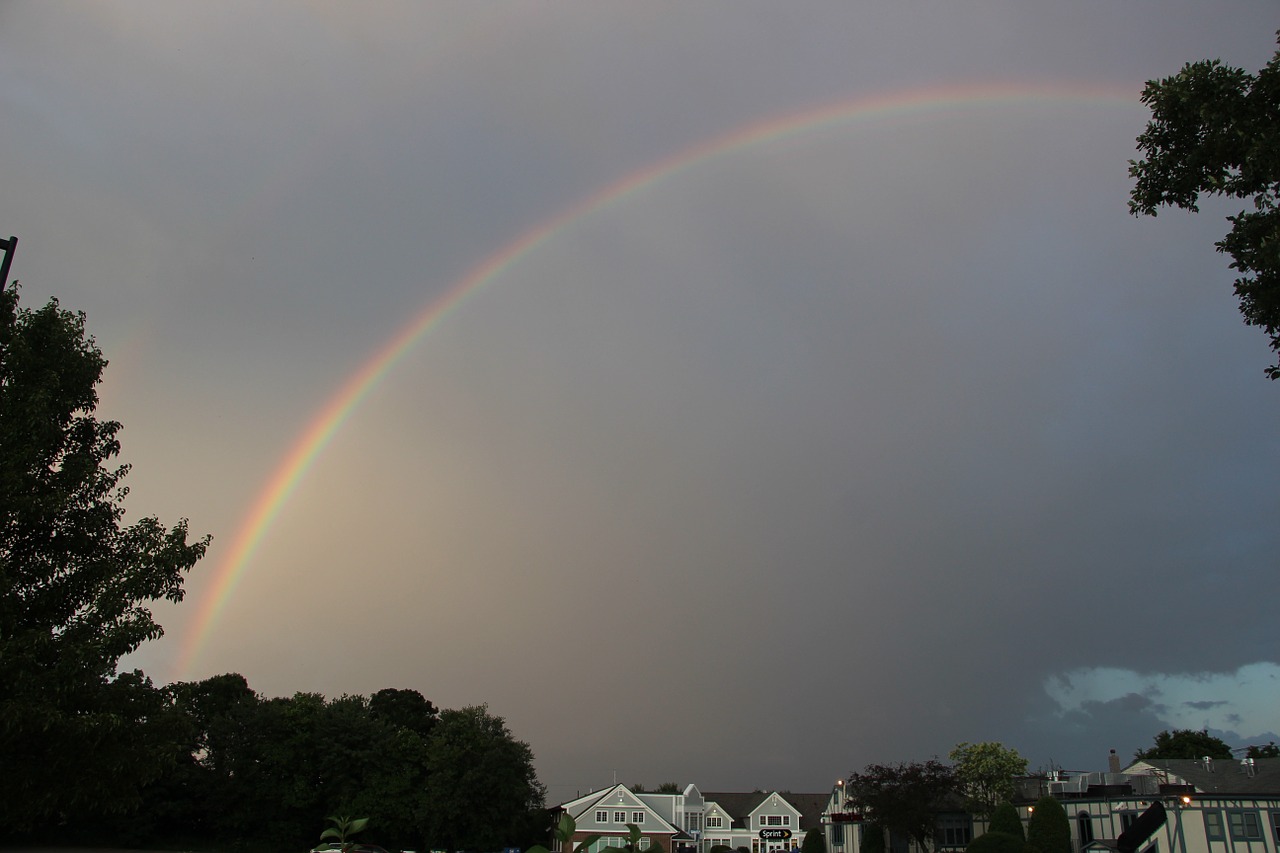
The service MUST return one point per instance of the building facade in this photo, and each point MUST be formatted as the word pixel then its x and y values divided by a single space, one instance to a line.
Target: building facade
pixel 694 822
pixel 1203 806
pixel 1208 805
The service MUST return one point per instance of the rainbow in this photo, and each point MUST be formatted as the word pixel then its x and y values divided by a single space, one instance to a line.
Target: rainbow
pixel 286 477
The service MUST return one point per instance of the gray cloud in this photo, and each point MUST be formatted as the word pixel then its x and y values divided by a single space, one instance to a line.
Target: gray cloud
pixel 833 450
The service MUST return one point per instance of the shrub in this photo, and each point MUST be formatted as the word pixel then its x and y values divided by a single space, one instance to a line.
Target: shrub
pixel 996 842
pixel 1005 819
pixel 814 841
pixel 1048 831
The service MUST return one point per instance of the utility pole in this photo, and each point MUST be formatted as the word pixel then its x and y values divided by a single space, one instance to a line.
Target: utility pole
pixel 8 246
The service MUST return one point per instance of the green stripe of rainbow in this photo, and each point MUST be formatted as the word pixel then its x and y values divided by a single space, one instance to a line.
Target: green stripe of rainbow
pixel 322 427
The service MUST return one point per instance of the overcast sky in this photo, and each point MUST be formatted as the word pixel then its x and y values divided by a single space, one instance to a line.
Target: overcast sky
pixel 843 446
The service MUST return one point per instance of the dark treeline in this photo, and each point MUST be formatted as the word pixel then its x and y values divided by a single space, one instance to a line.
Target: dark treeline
pixel 253 773
pixel 91 755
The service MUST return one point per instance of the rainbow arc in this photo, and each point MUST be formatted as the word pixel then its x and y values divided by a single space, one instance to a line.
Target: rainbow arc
pixel 326 422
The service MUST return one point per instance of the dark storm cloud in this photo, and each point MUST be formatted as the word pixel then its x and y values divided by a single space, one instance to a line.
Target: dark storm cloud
pixel 1204 706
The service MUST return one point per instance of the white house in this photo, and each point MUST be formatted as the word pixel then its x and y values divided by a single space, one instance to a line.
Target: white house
pixel 1209 805
pixel 693 822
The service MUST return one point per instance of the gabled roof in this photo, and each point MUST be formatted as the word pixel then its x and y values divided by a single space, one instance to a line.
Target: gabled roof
pixel 608 799
pixel 1219 776
pixel 739 806
pixel 585 803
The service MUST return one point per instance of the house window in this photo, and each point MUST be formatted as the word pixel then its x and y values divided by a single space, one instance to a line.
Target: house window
pixel 715 822
pixel 773 820
pixel 1275 827
pixel 602 817
pixel 619 817
pixel 1084 828
pixel 1213 826
pixel 786 820
pixel 644 842
pixel 953 830
pixel 1244 825
pixel 637 817
pixel 1127 819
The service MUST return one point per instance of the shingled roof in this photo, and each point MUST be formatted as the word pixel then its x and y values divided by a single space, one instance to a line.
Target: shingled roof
pixel 811 807
pixel 736 803
pixel 1217 776
pixel 740 805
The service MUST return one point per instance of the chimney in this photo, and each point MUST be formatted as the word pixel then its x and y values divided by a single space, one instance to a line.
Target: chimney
pixel 1113 762
pixel 1208 763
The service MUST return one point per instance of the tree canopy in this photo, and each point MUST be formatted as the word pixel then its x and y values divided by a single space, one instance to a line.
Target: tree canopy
pixel 75 583
pixel 872 838
pixel 903 798
pixel 1215 130
pixel 1185 743
pixel 482 791
pixel 1268 751
pixel 97 757
pixel 984 773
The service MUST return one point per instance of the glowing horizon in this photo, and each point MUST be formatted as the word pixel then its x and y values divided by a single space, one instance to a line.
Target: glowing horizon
pixel 325 423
